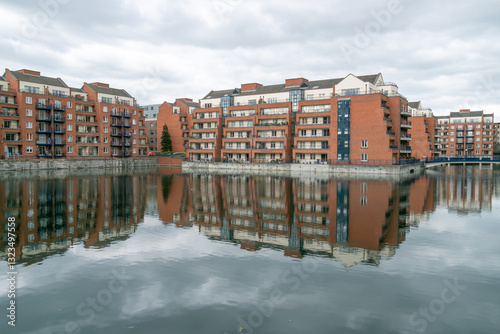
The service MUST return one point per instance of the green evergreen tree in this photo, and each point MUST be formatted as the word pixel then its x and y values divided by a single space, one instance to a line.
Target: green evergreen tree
pixel 166 142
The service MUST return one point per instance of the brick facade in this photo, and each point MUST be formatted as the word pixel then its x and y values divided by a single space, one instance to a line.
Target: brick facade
pixel 44 118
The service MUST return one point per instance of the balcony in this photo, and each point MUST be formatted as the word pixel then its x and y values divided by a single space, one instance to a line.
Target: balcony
pixel 46 106
pixel 406 113
pixel 393 147
pixel 127 125
pixel 406 136
pixel 9 113
pixel 405 149
pixel 126 114
pixel 60 130
pixel 59 107
pixel 323 147
pixel 44 129
pixel 43 118
pixel 11 127
pixel 127 134
pixel 59 154
pixel 44 154
pixel 390 133
pixel 406 124
pixel 116 144
pixel 129 144
pixel 12 139
pixel 116 114
pixel 59 142
pixel 59 119
pixel 44 142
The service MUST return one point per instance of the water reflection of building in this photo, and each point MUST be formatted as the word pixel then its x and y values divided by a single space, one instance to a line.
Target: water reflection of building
pixel 351 220
pixel 465 189
pixel 53 214
pixel 173 197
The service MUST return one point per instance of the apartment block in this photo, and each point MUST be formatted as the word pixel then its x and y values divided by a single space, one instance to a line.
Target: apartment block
pixel 151 133
pixel 466 133
pixel 177 117
pixel 424 132
pixel 45 118
pixel 351 119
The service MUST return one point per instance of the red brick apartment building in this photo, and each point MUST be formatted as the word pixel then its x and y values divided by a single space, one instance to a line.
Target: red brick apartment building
pixel 178 118
pixel 355 119
pixel 466 133
pixel 424 131
pixel 44 118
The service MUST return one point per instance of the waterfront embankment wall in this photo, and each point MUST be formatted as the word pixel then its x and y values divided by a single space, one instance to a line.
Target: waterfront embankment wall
pixel 28 165
pixel 299 169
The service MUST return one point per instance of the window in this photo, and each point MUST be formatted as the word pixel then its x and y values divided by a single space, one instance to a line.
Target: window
pixel 151 140
pixel 364 144
pixel 151 132
pixel 105 140
pixel 29 125
pixel 105 109
pixel 272 100
pixel 106 100
pixel 150 125
pixel 69 104
pixel 452 133
pixel 70 149
pixel 478 133
pixel 133 150
pixel 105 119
pixel 29 112
pixel 29 100
pixel 363 200
pixel 453 126
pixel 29 149
pixel 105 129
pixel 70 138
pixel 105 150
pixel 134 122
pixel 478 139
pixel 135 112
pixel 70 127
pixel 70 116
pixel 29 137
pixel 364 157
pixel 252 101
pixel 135 142
pixel 135 131
pixel 452 139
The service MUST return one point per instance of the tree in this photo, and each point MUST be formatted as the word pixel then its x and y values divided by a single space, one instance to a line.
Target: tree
pixel 166 142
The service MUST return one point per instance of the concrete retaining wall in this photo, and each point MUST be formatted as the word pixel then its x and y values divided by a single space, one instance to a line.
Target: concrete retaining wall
pixel 28 165
pixel 300 169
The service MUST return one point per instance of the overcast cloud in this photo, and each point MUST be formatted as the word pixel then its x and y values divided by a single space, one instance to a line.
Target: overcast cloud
pixel 444 53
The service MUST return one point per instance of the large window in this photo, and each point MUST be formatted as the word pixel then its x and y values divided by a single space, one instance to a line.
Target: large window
pixel 351 91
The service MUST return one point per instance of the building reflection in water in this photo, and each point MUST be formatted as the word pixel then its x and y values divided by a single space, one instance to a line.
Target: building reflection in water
pixel 352 221
pixel 53 214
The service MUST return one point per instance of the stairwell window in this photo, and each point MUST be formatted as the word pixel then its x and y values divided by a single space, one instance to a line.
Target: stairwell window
pixel 364 157
pixel 364 144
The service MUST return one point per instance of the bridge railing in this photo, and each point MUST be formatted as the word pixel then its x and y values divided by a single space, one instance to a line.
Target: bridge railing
pixel 486 158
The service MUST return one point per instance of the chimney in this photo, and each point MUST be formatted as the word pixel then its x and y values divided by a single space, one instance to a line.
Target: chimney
pixel 295 82
pixel 250 86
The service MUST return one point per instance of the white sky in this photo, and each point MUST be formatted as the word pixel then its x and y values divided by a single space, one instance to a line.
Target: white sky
pixel 444 53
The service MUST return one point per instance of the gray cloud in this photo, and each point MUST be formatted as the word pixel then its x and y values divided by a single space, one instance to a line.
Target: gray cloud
pixel 437 52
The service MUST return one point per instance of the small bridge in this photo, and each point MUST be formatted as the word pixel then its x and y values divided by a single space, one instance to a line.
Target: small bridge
pixel 463 160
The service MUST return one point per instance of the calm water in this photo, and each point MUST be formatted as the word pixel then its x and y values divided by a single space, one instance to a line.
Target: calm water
pixel 172 253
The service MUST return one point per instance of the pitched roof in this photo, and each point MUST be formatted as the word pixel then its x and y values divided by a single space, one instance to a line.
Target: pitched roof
pixel 466 114
pixel 38 79
pixel 190 103
pixel 2 78
pixel 372 78
pixel 109 91
pixel 79 90
pixel 280 88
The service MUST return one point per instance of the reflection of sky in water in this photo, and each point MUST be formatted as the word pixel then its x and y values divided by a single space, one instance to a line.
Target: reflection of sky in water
pixel 180 281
